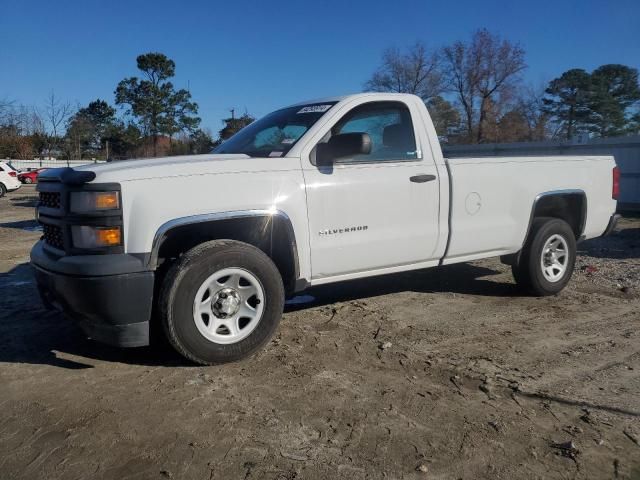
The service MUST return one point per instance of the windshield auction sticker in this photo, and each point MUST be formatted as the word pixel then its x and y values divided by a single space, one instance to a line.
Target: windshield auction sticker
pixel 315 109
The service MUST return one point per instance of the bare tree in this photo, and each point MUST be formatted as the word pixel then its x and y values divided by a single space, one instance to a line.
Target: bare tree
pixel 530 104
pixel 415 71
pixel 461 78
pixel 6 107
pixel 479 73
pixel 57 113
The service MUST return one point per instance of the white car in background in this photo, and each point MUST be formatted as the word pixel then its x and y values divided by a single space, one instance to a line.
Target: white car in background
pixel 8 179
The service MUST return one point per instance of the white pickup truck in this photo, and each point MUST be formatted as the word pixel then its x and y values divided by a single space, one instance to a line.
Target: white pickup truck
pixel 210 246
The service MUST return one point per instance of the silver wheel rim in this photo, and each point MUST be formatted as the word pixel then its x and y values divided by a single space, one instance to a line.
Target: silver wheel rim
pixel 228 305
pixel 554 258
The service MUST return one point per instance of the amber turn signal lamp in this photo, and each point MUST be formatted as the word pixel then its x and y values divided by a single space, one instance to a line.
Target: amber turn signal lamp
pixel 106 200
pixel 108 237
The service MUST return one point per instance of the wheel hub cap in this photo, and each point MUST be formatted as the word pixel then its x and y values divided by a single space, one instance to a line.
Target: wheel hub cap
pixel 555 258
pixel 226 303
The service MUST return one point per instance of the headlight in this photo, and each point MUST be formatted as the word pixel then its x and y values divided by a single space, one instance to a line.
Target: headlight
pixel 87 202
pixel 96 237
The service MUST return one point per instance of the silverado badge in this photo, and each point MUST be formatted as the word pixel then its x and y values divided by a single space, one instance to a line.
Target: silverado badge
pixel 335 231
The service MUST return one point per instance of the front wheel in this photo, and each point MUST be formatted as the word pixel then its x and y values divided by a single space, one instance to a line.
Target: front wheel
pixel 221 302
pixel 548 257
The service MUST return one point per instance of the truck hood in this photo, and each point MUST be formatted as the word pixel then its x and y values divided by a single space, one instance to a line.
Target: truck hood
pixel 131 170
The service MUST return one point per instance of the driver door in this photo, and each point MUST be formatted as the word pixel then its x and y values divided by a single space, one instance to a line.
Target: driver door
pixel 376 210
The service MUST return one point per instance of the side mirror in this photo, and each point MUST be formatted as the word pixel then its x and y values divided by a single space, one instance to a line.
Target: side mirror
pixel 343 145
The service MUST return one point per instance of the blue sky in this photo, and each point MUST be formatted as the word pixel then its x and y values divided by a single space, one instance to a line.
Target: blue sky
pixel 261 55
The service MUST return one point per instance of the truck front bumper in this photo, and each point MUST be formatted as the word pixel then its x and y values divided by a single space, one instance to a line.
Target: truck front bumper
pixel 109 296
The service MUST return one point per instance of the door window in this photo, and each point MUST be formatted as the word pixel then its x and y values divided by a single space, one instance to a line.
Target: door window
pixel 389 126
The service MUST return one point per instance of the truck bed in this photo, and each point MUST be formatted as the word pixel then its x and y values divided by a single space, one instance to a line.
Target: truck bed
pixel 490 196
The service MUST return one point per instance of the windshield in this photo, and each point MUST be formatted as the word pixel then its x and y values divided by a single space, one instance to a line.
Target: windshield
pixel 275 134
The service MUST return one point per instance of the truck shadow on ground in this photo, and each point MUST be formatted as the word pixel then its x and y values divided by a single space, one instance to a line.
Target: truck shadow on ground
pixel 31 334
pixel 461 278
pixel 621 245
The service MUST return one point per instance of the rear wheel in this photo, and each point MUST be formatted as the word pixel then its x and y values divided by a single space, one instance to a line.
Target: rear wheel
pixel 221 302
pixel 546 263
pixel 3 190
pixel 28 180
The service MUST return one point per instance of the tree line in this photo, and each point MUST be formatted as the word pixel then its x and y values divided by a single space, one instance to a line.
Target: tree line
pixel 475 93
pixel 149 117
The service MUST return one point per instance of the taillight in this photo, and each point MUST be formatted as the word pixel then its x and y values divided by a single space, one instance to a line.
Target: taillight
pixel 615 190
pixel 12 174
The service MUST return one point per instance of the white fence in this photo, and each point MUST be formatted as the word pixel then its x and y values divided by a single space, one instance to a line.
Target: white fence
pixel 33 164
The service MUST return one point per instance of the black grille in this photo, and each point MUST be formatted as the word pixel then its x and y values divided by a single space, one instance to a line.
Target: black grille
pixel 53 236
pixel 50 199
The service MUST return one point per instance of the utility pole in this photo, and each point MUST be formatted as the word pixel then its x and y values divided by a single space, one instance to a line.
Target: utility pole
pixel 107 145
pixel 233 113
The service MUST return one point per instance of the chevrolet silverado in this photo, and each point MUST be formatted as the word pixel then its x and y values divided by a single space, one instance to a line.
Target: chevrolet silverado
pixel 209 246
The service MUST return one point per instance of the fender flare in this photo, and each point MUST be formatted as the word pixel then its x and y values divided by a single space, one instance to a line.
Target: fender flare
pixel 513 258
pixel 560 193
pixel 164 230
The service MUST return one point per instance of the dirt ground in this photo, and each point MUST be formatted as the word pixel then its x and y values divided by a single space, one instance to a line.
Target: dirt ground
pixel 439 374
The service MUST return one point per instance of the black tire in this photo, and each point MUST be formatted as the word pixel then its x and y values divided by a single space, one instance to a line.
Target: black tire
pixel 28 180
pixel 182 282
pixel 528 271
pixel 3 190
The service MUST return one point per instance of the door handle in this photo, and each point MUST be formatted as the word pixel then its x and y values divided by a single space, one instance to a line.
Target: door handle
pixel 422 178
